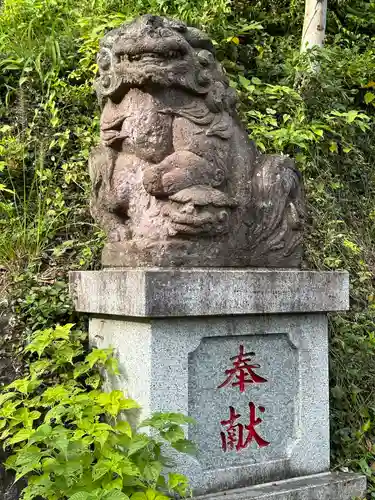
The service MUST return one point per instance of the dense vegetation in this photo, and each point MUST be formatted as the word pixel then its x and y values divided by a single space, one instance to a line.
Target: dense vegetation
pixel 325 119
pixel 67 437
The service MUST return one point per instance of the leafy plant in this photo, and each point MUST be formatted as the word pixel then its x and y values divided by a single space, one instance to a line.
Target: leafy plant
pixel 325 120
pixel 71 440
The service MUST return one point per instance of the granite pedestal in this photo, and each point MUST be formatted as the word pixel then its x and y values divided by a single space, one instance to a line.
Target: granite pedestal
pixel 244 352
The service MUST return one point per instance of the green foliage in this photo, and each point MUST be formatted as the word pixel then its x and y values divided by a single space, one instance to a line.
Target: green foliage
pixel 324 119
pixel 72 440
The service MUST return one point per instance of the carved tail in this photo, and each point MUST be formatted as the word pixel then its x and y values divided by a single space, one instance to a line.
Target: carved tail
pixel 278 211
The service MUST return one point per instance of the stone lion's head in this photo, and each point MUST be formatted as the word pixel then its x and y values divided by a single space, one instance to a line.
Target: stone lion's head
pixel 153 50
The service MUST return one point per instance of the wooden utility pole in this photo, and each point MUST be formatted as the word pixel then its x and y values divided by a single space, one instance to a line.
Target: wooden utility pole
pixel 314 25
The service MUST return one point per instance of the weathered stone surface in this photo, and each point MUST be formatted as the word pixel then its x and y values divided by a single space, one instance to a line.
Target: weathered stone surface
pixel 330 486
pixel 205 292
pixel 175 180
pixel 178 364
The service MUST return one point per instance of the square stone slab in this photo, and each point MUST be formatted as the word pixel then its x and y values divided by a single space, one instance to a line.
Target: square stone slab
pixel 208 292
pixel 330 486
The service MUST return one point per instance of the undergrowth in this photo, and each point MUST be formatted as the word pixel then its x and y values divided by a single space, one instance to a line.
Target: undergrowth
pixel 325 120
pixel 71 440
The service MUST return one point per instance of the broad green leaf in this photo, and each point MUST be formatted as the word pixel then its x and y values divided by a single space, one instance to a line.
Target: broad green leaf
pixel 102 437
pixel 24 470
pixel 178 483
pixel 124 427
pixel 115 495
pixel 6 397
pixel 66 354
pixel 81 495
pixel 185 446
pixel 174 479
pixel 5 434
pixel 150 494
pixel 128 468
pixel 41 340
pixel 128 404
pixel 366 426
pixel 41 433
pixel 139 496
pixel 138 442
pixel 55 413
pixel 56 394
pixel 81 369
pixel 116 484
pixel 9 408
pixel 114 402
pixel 49 464
pixel 333 147
pixel 102 426
pixel 63 332
pixel 26 385
pixel 21 435
pixel 151 471
pixel 244 81
pixel 351 116
pixel 93 381
pixel 98 356
pixel 39 367
pixel 100 469
pixel 161 420
pixel 60 438
pixel 369 97
pixel 25 417
pixel 112 366
pixel 10 462
pixel 174 433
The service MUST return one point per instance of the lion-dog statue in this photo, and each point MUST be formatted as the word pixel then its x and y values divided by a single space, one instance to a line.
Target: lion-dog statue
pixel 175 179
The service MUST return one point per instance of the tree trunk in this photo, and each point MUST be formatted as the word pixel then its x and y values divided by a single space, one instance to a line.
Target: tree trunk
pixel 314 26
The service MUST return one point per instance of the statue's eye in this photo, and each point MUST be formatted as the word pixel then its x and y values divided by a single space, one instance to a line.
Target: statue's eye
pixel 205 57
pixel 165 32
pixel 104 60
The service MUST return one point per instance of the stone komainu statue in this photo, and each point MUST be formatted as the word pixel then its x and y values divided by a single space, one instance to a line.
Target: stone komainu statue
pixel 175 179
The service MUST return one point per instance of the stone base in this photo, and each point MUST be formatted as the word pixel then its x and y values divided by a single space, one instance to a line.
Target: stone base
pixel 207 253
pixel 178 333
pixel 329 486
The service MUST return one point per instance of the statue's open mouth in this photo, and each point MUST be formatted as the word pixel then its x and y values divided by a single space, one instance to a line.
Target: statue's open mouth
pixel 150 57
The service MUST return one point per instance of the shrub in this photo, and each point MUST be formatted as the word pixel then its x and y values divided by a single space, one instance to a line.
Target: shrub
pixel 71 440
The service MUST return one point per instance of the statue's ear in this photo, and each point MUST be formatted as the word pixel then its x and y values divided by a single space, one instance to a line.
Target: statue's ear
pixel 175 24
pixel 199 40
pixel 101 164
pixel 215 97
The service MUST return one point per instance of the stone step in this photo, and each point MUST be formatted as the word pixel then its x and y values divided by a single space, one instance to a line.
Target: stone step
pixel 327 486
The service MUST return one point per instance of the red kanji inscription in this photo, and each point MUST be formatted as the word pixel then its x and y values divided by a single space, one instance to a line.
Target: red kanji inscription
pixel 242 371
pixel 234 437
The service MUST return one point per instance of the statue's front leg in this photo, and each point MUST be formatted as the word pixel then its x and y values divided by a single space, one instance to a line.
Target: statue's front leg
pixel 178 171
pixel 116 226
pixel 109 214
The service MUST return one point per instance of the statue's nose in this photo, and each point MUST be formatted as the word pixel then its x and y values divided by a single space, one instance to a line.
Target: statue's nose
pixel 151 20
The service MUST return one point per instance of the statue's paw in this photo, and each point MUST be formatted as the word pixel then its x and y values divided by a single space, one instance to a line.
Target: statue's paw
pixel 158 183
pixel 190 219
pixel 120 233
pixel 152 181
